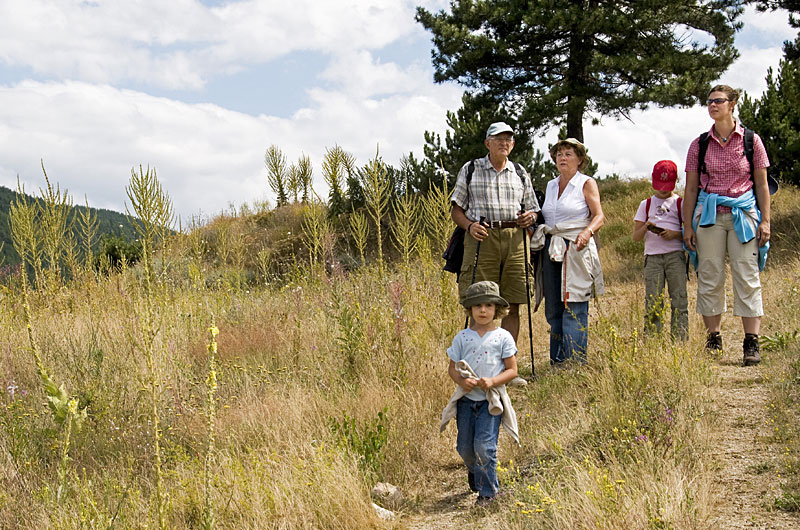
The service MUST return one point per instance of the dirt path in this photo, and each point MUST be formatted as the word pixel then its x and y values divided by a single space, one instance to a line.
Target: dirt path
pixel 745 458
pixel 447 510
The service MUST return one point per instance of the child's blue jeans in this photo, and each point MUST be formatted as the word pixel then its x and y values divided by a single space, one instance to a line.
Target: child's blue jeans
pixel 477 443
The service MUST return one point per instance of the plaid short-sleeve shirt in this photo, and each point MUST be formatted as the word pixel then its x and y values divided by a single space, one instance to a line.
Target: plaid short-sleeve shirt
pixel 727 166
pixel 495 195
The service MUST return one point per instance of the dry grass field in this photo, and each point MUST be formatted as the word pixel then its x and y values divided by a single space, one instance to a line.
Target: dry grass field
pixel 219 393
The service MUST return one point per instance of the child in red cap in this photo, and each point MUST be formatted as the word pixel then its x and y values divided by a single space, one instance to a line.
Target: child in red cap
pixel 659 221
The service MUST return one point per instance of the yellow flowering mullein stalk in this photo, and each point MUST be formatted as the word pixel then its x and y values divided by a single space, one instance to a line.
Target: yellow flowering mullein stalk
pixel 377 191
pixel 65 409
pixel 72 410
pixel 211 384
pixel 152 212
pixel 406 225
pixel 360 231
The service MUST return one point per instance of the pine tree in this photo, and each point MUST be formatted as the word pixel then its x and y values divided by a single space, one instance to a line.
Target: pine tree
pixel 775 116
pixel 554 62
pixel 466 142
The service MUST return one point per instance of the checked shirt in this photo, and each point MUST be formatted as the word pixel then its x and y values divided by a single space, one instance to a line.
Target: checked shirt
pixel 728 169
pixel 495 195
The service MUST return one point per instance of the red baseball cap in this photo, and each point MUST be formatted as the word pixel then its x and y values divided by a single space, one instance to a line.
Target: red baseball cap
pixel 665 173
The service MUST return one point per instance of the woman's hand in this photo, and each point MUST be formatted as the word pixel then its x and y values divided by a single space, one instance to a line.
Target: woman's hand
pixel 583 239
pixel 689 237
pixel 763 233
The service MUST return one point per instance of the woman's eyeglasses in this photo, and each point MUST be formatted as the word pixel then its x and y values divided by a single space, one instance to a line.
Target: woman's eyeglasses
pixel 718 101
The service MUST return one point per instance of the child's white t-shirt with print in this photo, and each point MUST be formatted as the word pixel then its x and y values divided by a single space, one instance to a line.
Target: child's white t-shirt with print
pixel 483 354
pixel 663 214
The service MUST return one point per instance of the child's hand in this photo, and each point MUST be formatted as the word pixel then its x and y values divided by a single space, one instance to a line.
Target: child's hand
pixel 468 384
pixel 671 234
pixel 485 383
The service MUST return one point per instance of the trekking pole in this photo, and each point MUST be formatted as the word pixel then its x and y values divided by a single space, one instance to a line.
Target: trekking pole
pixel 474 268
pixel 528 290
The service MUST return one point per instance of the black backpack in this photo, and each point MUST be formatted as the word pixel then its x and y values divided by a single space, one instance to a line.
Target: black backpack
pixel 454 253
pixel 749 149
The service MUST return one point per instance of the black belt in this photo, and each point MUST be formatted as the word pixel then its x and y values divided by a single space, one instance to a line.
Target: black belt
pixel 500 224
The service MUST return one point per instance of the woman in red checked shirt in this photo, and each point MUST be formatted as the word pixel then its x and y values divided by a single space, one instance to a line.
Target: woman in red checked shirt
pixel 729 213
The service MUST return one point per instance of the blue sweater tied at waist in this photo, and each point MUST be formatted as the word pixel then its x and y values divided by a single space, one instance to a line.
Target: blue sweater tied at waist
pixel 746 218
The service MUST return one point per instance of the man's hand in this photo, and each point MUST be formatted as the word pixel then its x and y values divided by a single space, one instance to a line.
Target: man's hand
pixel 525 219
pixel 478 231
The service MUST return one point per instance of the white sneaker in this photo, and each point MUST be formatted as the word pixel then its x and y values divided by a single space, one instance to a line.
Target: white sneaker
pixel 517 381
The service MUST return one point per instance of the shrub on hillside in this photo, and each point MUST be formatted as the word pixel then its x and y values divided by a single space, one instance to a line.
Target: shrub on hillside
pixel 115 249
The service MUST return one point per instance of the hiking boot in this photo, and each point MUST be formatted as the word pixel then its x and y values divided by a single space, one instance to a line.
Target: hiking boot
pixel 483 501
pixel 471 481
pixel 714 342
pixel 750 349
pixel 517 381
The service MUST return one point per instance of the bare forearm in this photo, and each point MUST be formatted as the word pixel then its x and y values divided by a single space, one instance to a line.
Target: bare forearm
pixel 459 217
pixel 505 376
pixel 639 230
pixel 762 194
pixel 452 371
pixel 690 196
pixel 597 222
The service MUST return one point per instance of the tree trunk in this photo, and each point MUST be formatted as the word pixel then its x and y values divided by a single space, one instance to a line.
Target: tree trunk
pixel 577 73
pixel 575 107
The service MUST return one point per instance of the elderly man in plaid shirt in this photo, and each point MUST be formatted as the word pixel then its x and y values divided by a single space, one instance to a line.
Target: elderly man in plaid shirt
pixel 497 193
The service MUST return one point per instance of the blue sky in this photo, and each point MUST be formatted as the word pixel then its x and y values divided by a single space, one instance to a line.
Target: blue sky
pixel 199 90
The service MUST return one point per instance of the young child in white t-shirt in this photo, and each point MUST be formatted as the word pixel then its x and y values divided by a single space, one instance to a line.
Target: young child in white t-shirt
pixel 659 221
pixel 489 351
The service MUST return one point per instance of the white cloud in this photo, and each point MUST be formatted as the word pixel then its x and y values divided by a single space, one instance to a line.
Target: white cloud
pixel 771 24
pixel 750 70
pixel 631 148
pixel 358 73
pixel 90 136
pixel 90 133
pixel 181 44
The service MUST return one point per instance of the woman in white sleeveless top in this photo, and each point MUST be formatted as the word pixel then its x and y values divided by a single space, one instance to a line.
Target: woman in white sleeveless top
pixel 570 265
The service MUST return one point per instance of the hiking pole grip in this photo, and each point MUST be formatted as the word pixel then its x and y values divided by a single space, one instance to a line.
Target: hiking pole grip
pixel 474 267
pixel 528 288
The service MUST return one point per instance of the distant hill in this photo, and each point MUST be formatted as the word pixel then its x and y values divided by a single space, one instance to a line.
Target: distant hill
pixel 109 222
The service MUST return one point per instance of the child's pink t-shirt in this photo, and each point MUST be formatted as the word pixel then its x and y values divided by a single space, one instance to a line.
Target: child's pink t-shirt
pixel 663 214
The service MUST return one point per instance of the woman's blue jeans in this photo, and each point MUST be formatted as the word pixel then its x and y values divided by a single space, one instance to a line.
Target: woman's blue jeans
pixel 569 337
pixel 477 443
